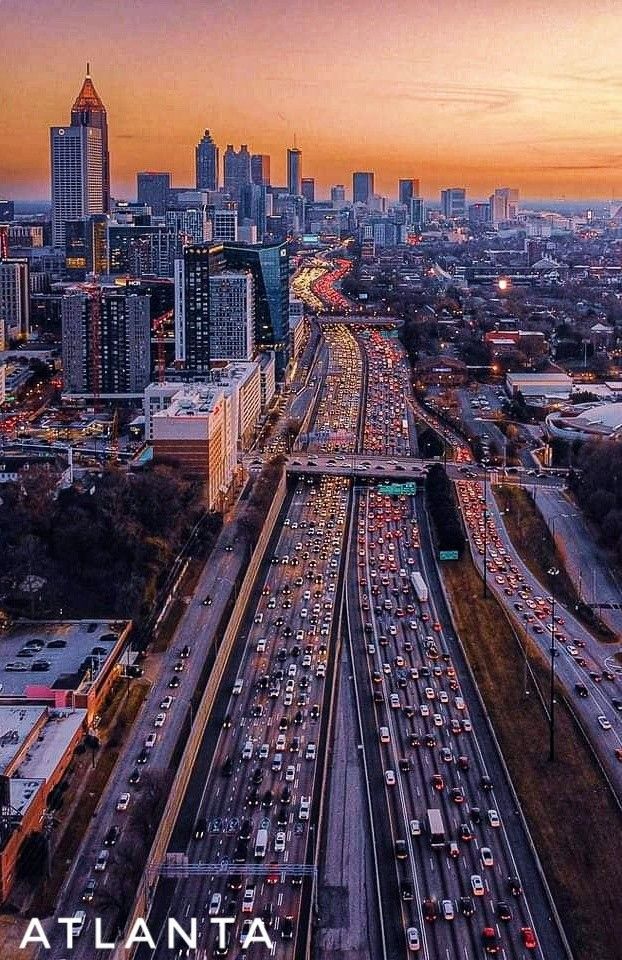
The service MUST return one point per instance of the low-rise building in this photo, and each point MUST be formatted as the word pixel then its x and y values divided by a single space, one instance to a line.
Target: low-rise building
pixel 539 385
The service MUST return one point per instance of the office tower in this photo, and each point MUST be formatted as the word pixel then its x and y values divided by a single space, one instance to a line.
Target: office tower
pixel 479 213
pixel 153 190
pixel 260 169
pixel 453 203
pixel 232 316
pixel 80 163
pixel 236 169
pixel 207 162
pixel 416 213
pixel 106 336
pixel 190 226
pixel 269 266
pixel 225 225
pixel 308 189
pixel 15 297
pixel 362 187
pixel 140 250
pixel 253 206
pixel 192 304
pixel 294 171
pixel 407 189
pixel 338 195
pixel 7 211
pixel 503 205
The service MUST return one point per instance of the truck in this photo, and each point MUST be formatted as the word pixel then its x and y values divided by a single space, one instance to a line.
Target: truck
pixel 261 844
pixel 435 827
pixel 420 586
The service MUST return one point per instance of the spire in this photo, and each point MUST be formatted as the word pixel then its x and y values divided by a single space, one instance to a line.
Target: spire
pixel 88 98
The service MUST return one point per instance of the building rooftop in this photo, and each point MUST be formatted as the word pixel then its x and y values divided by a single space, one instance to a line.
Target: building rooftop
pixel 15 726
pixel 75 650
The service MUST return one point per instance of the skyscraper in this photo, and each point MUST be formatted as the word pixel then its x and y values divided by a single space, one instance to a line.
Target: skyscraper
pixel 225 225
pixel 153 189
pixel 141 250
pixel 338 195
pixel 453 203
pixel 407 189
pixel 80 163
pixel 207 162
pixel 15 297
pixel 294 171
pixel 308 189
pixel 362 187
pixel 237 169
pixel 504 205
pixel 106 341
pixel 232 316
pixel 260 169
pixel 193 270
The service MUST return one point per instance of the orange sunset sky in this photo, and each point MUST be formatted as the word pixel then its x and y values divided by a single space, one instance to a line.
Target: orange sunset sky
pixel 474 93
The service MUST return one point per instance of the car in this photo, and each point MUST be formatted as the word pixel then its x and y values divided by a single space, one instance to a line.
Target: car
pixel 401 850
pixel 279 842
pixel 493 818
pixel 490 941
pixel 476 885
pixel 486 783
pixel 514 886
pixel 287 928
pixel 102 860
pixel 447 909
pixel 135 776
pixel 174 682
pixel 305 806
pixel 199 828
pixel 467 907
pixel 389 777
pixel 504 910
pixel 457 794
pixel 412 939
pixel 605 724
pixel 123 802
pixel 214 905
pixel 159 720
pixel 487 857
pixel 453 849
pixel 529 938
pixel 151 741
pixel 310 752
pixel 143 756
pixel 406 890
pixel 430 909
pixel 437 781
pixel 167 703
pixel 89 890
pixel 112 836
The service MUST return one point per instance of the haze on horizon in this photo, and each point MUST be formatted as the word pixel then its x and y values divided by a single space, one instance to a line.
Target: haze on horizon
pixel 473 94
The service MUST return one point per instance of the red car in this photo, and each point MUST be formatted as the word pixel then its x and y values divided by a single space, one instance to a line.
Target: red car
pixel 437 781
pixel 529 938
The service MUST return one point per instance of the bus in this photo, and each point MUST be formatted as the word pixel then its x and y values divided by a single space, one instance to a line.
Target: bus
pixel 261 844
pixel 420 587
pixel 436 827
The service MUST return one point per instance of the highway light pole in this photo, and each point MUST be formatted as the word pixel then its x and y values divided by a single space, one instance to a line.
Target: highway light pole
pixel 553 572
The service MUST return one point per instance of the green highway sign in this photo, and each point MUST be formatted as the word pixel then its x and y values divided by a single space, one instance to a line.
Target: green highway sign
pixel 448 555
pixel 398 489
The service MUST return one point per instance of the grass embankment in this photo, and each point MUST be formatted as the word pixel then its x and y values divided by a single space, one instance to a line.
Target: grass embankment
pixel 574 821
pixel 533 541
pixel 120 716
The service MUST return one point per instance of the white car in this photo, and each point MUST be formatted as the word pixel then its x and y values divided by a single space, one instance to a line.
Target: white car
pixel 290 773
pixel 151 741
pixel 415 828
pixel 447 909
pixel 123 802
pixel 264 751
pixel 102 860
pixel 159 720
pixel 477 886
pixel 214 905
pixel 604 722
pixel 389 777
pixel 493 818
pixel 279 842
pixel 305 806
pixel 487 857
pixel 310 752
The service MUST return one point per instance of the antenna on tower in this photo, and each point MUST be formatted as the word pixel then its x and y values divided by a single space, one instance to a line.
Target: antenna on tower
pixel 88 69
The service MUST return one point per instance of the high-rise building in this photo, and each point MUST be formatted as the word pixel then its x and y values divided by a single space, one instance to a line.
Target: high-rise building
pixel 15 297
pixel 80 163
pixel 225 225
pixel 106 341
pixel 141 250
pixel 192 304
pixel 190 226
pixel 253 206
pixel 416 213
pixel 207 162
pixel 453 203
pixel 232 316
pixel 407 189
pixel 308 189
pixel 479 213
pixel 269 266
pixel 260 169
pixel 362 187
pixel 7 211
pixel 338 195
pixel 504 205
pixel 294 171
pixel 236 169
pixel 153 190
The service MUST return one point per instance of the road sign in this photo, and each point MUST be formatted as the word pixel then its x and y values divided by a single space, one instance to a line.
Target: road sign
pixel 448 555
pixel 398 489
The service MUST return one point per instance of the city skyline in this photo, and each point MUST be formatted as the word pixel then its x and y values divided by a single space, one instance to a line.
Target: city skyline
pixel 522 110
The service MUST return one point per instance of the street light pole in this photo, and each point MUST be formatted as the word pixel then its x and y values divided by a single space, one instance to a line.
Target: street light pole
pixel 553 572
